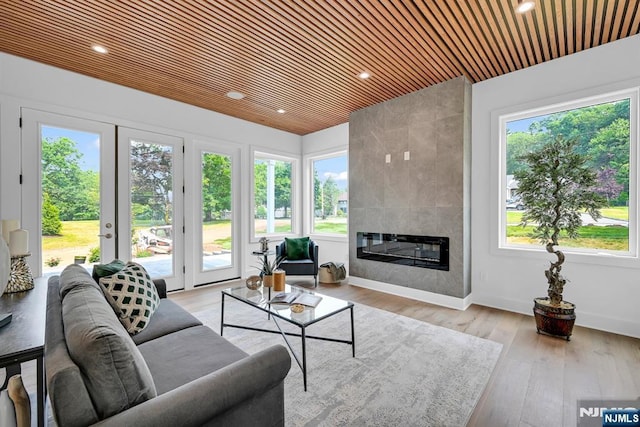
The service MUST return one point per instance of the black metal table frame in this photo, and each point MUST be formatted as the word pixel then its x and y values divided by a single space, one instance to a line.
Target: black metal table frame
pixel 303 334
pixel 12 364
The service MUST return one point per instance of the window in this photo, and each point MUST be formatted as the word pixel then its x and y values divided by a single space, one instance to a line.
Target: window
pixel 330 194
pixel 272 192
pixel 604 128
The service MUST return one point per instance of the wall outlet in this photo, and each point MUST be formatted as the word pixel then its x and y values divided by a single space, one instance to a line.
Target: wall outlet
pixel 407 155
pixel 387 158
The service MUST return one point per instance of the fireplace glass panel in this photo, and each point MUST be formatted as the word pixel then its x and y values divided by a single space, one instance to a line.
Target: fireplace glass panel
pixel 404 249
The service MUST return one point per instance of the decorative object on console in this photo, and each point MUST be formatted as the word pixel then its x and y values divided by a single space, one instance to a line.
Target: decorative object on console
pixel 555 188
pixel 267 268
pixel 8 225
pixel 20 278
pixel 18 394
pixel 264 244
pixel 19 242
pixel 253 282
pixel 279 279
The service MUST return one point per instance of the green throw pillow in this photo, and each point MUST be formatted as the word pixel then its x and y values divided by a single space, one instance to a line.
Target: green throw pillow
pixel 105 270
pixel 297 248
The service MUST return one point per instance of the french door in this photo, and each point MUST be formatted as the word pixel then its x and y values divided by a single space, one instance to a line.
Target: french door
pixel 150 203
pixel 214 225
pixel 93 192
pixel 68 193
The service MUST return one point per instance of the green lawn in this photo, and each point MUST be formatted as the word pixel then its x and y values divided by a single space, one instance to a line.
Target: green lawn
pixel 614 238
pixel 73 234
pixel 331 225
pixel 610 238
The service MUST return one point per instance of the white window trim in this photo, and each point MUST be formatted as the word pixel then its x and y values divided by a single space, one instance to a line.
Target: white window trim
pixel 619 258
pixel 295 222
pixel 309 199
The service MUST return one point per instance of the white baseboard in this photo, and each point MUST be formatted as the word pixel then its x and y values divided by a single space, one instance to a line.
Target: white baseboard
pixel 586 319
pixel 416 294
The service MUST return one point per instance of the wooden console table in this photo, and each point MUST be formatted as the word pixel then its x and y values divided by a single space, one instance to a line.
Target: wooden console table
pixel 23 339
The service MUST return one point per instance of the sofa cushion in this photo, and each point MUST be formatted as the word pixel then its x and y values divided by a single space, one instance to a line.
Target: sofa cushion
pixel 297 248
pixel 186 355
pixel 168 317
pixel 133 296
pixel 74 275
pixel 115 373
pixel 106 270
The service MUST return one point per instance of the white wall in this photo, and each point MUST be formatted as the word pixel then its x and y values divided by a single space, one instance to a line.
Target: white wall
pixel 605 291
pixel 326 141
pixel 24 83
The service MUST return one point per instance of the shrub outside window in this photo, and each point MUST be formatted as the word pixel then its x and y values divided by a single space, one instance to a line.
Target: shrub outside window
pixel 330 194
pixel 604 128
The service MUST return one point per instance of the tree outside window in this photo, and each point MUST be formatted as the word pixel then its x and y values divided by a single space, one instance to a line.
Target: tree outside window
pixel 330 195
pixel 272 195
pixel 602 131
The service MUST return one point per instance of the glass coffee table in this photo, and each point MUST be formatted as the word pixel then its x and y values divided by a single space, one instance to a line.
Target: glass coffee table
pixel 327 307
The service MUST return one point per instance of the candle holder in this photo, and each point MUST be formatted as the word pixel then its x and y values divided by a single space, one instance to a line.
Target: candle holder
pixel 20 278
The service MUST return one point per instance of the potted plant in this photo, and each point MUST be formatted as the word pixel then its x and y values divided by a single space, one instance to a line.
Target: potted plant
pixel 267 268
pixel 555 189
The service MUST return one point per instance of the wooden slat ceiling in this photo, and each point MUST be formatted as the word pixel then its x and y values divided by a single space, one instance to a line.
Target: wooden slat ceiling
pixel 303 56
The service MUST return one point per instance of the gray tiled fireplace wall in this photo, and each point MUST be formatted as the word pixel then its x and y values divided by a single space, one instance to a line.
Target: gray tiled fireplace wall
pixel 429 194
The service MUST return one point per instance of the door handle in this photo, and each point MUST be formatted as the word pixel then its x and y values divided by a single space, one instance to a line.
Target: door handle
pixel 107 236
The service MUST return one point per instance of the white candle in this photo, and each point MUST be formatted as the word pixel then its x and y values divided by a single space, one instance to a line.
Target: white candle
pixel 8 225
pixel 19 242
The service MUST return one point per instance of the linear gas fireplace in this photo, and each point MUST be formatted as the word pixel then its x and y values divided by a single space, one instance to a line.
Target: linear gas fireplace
pixel 405 249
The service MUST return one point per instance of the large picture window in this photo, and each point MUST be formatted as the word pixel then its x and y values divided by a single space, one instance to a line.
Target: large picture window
pixel 272 191
pixel 330 194
pixel 604 129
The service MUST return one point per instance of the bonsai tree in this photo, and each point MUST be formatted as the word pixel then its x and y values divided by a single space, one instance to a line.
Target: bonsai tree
pixel 555 188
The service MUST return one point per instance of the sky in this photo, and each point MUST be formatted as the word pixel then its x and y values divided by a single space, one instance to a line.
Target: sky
pixel 88 144
pixel 335 167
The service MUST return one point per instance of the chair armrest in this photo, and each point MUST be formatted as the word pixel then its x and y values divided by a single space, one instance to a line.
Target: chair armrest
pixel 203 399
pixel 281 250
pixel 161 287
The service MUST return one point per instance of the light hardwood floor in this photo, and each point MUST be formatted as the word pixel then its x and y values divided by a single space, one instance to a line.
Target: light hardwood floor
pixel 538 379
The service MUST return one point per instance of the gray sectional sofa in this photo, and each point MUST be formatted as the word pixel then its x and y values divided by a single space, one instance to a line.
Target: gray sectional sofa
pixel 176 372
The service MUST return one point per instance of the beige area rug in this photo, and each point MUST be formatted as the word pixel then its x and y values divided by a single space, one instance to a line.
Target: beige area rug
pixel 405 373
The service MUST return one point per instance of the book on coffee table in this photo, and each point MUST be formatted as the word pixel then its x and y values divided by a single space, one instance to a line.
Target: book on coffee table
pixel 296 298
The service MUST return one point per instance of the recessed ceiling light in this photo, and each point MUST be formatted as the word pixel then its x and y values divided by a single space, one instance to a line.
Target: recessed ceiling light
pixel 525 6
pixel 364 75
pixel 235 95
pixel 99 49
pixel 281 111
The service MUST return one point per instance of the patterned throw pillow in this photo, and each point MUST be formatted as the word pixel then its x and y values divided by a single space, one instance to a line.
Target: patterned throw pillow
pixel 133 296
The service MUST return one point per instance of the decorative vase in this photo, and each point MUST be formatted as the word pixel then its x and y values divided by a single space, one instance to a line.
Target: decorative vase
pixel 253 282
pixel 21 278
pixel 267 280
pixel 5 265
pixel 552 320
pixel 278 280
